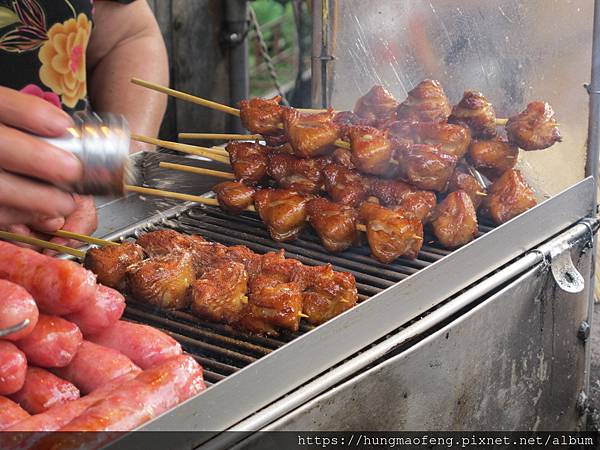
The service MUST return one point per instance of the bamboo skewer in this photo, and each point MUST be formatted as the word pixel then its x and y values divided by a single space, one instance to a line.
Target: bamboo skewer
pixel 184 148
pixel 82 238
pixel 224 136
pixel 42 244
pixel 187 97
pixel 197 170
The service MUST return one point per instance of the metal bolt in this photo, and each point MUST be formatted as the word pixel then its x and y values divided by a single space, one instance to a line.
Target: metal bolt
pixel 583 333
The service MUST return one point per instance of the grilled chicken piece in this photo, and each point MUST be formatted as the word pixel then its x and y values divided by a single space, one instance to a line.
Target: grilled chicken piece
pixel 283 211
pixel 326 293
pixel 298 174
pixel 163 281
pixel 427 102
pixel 277 141
pixel 376 105
pixel 234 196
pixel 346 120
pixel 344 185
pixel 272 304
pixel 403 131
pixel 310 134
pixel 220 294
pixel 535 128
pixel 335 223
pixel 508 197
pixel 343 157
pixel 390 234
pixel 262 116
pixel 389 192
pixel 372 150
pixel 165 242
pixel 455 221
pixel 477 113
pixel 449 138
pixel 493 157
pixel 418 205
pixel 249 161
pixel 110 262
pixel 427 167
pixel 462 180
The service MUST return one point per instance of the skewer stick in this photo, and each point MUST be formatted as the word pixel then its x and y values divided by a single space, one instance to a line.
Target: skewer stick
pixel 82 238
pixel 225 136
pixel 177 196
pixel 184 148
pixel 41 243
pixel 501 122
pixel 198 170
pixel 186 97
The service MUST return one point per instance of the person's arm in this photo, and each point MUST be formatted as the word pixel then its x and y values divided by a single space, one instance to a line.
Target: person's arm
pixel 126 42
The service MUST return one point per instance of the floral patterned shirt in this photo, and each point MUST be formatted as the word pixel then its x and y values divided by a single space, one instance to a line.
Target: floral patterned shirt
pixel 43 47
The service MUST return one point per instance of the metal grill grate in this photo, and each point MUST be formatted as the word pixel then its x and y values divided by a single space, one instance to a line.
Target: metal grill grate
pixel 223 350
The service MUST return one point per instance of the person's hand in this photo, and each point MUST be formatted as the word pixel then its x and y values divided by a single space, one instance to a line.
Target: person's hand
pixel 30 167
pixel 83 220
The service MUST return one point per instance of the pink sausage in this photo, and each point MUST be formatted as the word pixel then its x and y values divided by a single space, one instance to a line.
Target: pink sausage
pixel 144 345
pixel 106 308
pixel 94 366
pixel 58 286
pixel 13 366
pixel 10 413
pixel 158 389
pixel 43 390
pixel 52 343
pixel 16 305
pixel 57 417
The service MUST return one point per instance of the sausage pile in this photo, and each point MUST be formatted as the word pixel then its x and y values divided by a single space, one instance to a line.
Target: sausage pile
pixel 415 159
pixel 78 366
pixel 231 285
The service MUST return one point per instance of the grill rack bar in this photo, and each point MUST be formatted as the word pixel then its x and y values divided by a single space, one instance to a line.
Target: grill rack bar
pixel 222 350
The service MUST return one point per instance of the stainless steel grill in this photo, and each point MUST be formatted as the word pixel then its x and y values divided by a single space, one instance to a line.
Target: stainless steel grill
pixel 222 350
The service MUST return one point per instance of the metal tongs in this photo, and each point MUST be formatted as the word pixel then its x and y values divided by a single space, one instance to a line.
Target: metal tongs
pixel 10 330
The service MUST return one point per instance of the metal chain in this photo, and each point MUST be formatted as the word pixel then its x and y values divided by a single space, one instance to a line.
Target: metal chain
pixel 264 51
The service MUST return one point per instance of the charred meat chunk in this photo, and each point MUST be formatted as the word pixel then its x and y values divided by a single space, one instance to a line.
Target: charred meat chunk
pixel 310 134
pixel 344 185
pixel 508 197
pixel 283 211
pixel 535 128
pixel 262 115
pixel 427 167
pixel 162 281
pixel 462 180
pixel 335 223
pixel 493 157
pixel 372 150
pixel 249 161
pixel 390 234
pixel 220 294
pixel 455 221
pixel 449 138
pixel 298 174
pixel 376 105
pixel 418 205
pixel 477 113
pixel 427 102
pixel 234 196
pixel 110 262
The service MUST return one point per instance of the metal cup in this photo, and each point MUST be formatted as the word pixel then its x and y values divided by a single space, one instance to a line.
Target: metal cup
pixel 101 142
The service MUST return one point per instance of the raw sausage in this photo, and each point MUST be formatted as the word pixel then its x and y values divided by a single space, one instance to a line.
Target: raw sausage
pixel 10 413
pixel 94 366
pixel 158 389
pixel 16 305
pixel 106 308
pixel 58 286
pixel 13 366
pixel 144 345
pixel 43 390
pixel 52 343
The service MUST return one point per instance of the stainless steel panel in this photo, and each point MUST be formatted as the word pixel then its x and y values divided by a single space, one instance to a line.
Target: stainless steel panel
pixel 512 51
pixel 513 362
pixel 292 365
